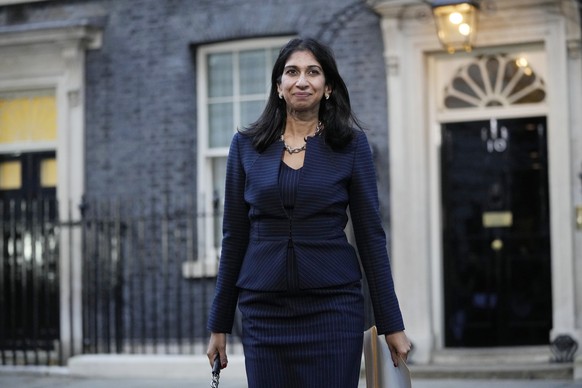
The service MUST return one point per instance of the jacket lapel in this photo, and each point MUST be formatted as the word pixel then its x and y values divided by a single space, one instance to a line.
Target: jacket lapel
pixel 264 177
pixel 317 167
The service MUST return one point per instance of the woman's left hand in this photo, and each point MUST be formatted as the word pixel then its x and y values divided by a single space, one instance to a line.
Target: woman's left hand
pixel 399 346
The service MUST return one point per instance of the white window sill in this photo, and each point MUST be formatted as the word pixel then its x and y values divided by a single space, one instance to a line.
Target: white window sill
pixel 208 267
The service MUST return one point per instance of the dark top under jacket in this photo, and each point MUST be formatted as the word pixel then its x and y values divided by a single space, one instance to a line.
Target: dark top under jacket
pixel 257 230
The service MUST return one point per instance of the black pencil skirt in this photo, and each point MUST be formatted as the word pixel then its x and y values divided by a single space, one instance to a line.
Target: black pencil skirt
pixel 303 339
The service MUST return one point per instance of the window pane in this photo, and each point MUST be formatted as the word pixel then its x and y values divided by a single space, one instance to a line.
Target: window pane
pixel 48 172
pixel 274 55
pixel 218 178
pixel 10 175
pixel 221 125
pixel 252 68
pixel 28 116
pixel 220 75
pixel 250 111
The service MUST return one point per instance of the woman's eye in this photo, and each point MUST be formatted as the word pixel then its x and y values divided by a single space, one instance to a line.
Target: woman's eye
pixel 291 72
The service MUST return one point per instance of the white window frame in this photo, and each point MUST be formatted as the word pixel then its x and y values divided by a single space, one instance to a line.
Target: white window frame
pixel 208 254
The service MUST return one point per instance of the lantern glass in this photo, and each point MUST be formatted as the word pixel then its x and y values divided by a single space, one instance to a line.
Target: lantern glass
pixel 456 24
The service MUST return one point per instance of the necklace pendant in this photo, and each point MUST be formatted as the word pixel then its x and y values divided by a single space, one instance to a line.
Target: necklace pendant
pixel 294 150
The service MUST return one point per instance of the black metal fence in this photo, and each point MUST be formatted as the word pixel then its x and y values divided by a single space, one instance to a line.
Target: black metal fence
pixel 146 280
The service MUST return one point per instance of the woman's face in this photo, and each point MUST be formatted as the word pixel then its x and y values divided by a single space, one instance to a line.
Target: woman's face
pixel 303 82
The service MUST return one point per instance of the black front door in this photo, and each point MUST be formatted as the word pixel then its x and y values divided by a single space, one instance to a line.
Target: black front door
pixel 496 240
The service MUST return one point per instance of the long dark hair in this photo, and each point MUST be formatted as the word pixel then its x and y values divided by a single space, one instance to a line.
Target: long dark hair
pixel 335 113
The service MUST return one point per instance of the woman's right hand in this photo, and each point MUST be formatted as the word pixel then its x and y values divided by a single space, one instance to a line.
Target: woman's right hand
pixel 217 346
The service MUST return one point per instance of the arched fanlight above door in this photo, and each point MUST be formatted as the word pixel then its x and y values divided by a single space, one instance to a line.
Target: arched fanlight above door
pixel 494 81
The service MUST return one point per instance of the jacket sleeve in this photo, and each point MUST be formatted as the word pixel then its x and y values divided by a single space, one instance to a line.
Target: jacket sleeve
pixel 234 243
pixel 371 239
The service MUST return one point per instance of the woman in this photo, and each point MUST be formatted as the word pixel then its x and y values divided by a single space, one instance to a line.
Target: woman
pixel 285 257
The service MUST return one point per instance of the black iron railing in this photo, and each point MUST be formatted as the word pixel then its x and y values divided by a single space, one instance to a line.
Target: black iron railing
pixel 138 295
pixel 145 287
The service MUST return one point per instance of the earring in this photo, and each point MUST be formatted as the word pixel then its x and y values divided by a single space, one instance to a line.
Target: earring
pixel 280 96
pixel 327 96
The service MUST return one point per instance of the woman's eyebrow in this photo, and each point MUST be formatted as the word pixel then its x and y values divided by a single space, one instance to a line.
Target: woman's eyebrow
pixel 308 67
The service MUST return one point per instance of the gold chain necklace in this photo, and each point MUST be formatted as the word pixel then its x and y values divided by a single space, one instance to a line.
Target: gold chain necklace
pixel 296 150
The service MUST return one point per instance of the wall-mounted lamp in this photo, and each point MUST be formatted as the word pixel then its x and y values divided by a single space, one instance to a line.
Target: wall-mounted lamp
pixel 456 22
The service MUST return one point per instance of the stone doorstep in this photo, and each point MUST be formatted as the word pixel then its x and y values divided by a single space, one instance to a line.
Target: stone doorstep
pixel 149 366
pixel 524 362
pixel 195 367
pixel 533 371
pixel 493 356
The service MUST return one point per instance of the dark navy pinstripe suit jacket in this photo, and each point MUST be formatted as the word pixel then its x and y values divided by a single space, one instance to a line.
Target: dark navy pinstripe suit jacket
pixel 257 230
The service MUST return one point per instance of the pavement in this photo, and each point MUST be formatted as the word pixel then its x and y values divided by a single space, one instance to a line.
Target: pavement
pixel 117 371
pixel 31 380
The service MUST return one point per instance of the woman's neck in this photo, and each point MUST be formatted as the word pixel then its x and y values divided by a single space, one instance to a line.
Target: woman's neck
pixel 295 127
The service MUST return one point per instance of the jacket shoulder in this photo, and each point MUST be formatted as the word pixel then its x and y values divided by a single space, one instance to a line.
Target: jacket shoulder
pixel 242 148
pixel 242 142
pixel 360 137
pixel 358 140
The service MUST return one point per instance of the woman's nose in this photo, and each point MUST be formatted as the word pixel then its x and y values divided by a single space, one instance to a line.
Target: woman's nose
pixel 302 80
